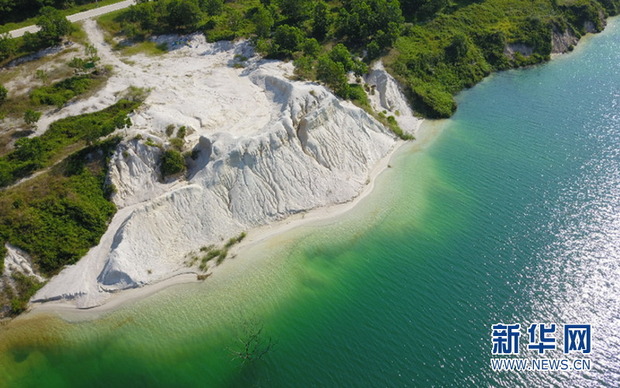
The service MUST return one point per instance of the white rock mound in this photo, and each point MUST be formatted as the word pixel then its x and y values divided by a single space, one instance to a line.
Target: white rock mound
pixel 304 149
pixel 386 95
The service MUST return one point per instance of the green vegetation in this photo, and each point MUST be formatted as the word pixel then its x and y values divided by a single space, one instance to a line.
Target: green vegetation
pixel 57 216
pixel 172 162
pixel 182 132
pixel 53 25
pixel 134 93
pixel 31 116
pixel 87 78
pixel 454 51
pixel 31 154
pixel 25 288
pixel 59 93
pixel 235 240
pixel 210 252
pixel 177 143
pixel 146 47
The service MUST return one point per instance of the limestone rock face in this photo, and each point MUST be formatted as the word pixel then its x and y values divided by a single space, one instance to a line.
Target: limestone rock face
pixel 387 96
pixel 562 42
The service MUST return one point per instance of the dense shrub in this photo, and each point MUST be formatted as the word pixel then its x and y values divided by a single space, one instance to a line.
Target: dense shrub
pixel 172 162
pixel 58 216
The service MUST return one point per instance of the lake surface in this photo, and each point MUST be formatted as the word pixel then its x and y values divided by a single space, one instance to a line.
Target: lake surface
pixel 511 213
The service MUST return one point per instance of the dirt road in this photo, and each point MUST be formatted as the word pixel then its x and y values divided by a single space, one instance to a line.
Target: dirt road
pixel 78 16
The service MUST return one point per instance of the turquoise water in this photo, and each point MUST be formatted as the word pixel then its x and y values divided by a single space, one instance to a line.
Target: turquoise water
pixel 511 214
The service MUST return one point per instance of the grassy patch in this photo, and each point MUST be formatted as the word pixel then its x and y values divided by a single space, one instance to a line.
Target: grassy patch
pixel 78 35
pixel 57 94
pixel 134 43
pixel 212 252
pixel 145 47
pixel 235 240
pixel 32 154
pixel 61 92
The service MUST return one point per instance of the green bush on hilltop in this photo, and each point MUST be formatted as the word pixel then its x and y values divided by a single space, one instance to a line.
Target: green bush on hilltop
pixel 172 162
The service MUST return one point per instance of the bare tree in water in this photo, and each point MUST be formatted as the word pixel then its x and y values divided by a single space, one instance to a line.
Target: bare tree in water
pixel 254 345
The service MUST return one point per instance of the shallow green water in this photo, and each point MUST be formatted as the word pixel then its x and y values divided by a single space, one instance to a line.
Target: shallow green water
pixel 512 214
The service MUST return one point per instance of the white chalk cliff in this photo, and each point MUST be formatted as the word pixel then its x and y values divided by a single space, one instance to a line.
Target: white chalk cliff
pixel 265 147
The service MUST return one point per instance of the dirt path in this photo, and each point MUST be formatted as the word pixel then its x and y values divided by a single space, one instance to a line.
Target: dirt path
pixel 78 16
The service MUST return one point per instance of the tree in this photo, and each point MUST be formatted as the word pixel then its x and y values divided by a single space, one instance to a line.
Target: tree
pixel 457 48
pixel 295 11
pixel 3 93
pixel 263 21
pixel 286 40
pixel 28 149
pixel 183 14
pixel 212 7
pixel 340 54
pixel 311 47
pixel 146 14
pixel 373 51
pixel 320 21
pixel 421 10
pixel 304 67
pixel 53 26
pixel 360 20
pixel 31 41
pixel 333 74
pixel 8 46
pixel 31 116
pixel 7 5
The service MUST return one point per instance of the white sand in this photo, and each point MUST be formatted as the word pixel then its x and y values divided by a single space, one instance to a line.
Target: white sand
pixel 270 149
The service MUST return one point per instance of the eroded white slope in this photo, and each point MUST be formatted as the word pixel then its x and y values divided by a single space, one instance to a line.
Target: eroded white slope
pixel 267 147
pixel 387 96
